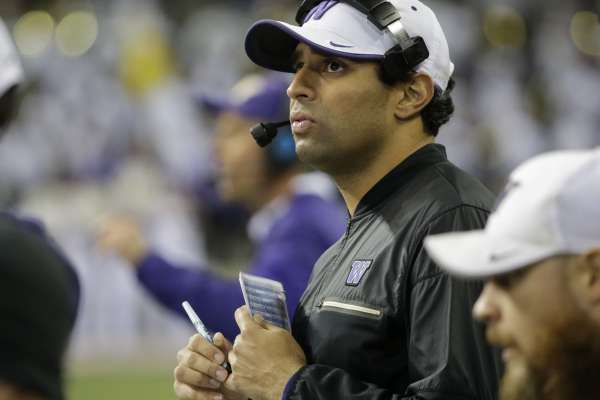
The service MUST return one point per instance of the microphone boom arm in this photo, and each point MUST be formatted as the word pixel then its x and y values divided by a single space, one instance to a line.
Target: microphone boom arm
pixel 265 132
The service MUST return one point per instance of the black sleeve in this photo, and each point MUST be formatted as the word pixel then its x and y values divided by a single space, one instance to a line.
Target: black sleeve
pixel 447 352
pixel 448 356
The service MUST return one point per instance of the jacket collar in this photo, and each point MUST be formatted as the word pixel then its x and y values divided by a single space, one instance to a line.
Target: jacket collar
pixel 404 172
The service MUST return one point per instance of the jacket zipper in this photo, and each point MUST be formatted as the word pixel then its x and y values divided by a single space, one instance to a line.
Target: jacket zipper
pixel 350 307
pixel 333 266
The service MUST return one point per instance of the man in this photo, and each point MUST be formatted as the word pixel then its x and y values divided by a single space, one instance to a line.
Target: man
pixel 378 319
pixel 296 216
pixel 541 254
pixel 39 291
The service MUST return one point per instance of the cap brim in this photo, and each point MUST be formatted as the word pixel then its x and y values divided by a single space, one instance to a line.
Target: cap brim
pixel 10 76
pixel 469 254
pixel 271 44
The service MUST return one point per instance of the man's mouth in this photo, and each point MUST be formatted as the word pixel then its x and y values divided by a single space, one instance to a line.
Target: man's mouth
pixel 301 122
pixel 509 353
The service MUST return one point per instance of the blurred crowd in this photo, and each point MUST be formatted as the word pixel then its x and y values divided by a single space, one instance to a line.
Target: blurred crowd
pixel 110 124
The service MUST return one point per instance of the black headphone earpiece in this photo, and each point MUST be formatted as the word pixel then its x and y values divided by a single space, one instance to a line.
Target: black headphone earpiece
pixel 398 61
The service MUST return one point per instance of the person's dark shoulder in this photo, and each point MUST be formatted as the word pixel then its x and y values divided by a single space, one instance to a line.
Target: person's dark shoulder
pixel 15 231
pixel 435 198
pixel 466 188
pixel 456 201
pixel 438 189
pixel 27 251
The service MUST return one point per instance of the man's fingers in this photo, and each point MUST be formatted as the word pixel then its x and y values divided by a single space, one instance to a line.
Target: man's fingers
pixel 221 342
pixel 187 392
pixel 245 320
pixel 202 346
pixel 242 317
pixel 188 376
pixel 260 321
pixel 200 363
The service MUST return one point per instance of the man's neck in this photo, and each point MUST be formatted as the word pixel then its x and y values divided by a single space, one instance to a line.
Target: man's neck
pixel 355 185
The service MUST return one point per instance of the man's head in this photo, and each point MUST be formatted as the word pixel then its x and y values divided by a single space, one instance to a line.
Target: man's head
pixel 540 252
pixel 246 173
pixel 11 75
pixel 349 109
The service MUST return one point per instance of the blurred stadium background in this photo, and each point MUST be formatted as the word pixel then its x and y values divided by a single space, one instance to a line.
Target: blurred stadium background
pixel 109 124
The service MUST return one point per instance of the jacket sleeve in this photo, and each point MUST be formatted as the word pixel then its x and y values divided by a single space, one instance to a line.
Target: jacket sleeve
pixel 287 255
pixel 448 358
pixel 214 298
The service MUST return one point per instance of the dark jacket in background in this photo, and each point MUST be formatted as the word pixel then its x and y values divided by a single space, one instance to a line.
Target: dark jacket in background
pixel 39 297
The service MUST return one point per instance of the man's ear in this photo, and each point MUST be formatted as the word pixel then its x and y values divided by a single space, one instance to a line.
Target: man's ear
pixel 413 96
pixel 588 271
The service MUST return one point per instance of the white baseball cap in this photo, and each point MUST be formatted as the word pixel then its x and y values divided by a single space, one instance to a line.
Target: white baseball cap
pixel 551 207
pixel 339 29
pixel 11 71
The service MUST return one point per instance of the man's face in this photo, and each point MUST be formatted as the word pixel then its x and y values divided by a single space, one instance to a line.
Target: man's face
pixel 242 167
pixel 551 346
pixel 340 111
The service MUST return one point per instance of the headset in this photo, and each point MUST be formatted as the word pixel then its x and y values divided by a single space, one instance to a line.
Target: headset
pixel 281 152
pixel 408 52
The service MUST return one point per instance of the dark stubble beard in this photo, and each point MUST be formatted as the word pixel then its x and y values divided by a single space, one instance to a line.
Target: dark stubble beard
pixel 568 367
pixel 520 382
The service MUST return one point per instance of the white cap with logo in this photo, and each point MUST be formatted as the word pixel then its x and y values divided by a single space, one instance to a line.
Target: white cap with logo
pixel 11 71
pixel 551 207
pixel 341 30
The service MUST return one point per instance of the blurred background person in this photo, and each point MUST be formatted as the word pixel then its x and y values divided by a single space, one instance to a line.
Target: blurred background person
pixel 540 252
pixel 295 216
pixel 39 297
pixel 39 291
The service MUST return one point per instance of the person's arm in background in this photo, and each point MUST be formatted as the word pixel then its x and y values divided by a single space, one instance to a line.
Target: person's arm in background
pixel 287 254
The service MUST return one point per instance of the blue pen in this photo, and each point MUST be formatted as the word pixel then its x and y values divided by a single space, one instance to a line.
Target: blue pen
pixel 201 328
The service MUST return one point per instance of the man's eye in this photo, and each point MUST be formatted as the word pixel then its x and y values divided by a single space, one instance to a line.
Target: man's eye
pixel 510 279
pixel 334 66
pixel 297 66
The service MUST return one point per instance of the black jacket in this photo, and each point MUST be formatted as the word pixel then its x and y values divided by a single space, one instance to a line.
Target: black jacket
pixel 378 319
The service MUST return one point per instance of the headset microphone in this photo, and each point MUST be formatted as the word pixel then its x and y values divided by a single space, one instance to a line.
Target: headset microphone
pixel 264 133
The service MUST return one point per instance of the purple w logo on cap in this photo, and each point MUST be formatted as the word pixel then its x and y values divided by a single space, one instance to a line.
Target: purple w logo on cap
pixel 320 10
pixel 359 267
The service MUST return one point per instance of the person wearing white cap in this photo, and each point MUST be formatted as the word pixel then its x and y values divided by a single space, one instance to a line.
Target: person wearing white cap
pixel 378 319
pixel 540 252
pixel 39 289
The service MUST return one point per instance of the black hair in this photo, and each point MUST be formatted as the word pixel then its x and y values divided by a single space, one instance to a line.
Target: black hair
pixel 440 108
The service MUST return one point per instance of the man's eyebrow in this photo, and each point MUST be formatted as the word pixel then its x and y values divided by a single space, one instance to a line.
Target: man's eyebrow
pixel 511 277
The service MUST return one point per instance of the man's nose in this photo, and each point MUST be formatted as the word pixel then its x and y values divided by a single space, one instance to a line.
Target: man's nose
pixel 485 309
pixel 302 86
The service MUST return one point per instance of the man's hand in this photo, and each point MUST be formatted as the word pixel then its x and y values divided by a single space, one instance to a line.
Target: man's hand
pixel 263 358
pixel 199 375
pixel 123 236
